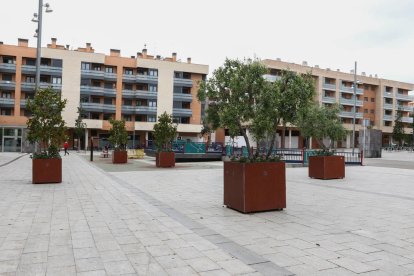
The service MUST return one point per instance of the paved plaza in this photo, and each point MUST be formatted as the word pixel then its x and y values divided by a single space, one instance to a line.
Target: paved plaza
pixel 135 219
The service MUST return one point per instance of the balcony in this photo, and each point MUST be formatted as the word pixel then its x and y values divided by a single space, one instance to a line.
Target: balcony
pixel 44 69
pixel 183 97
pixel 388 106
pixel 7 84
pixel 91 90
pixel 407 120
pixel 129 78
pixel 109 92
pixel 6 102
pixel 30 86
pixel 329 86
pixel 98 107
pixel 387 118
pixel 182 112
pixel 404 97
pixel 350 114
pixel 110 76
pixel 183 82
pixel 7 68
pixel 351 102
pixel 23 102
pixel 140 109
pixel 348 89
pixel 94 74
pixel 140 94
pixel 271 78
pixel 388 94
pixel 404 108
pixel 146 79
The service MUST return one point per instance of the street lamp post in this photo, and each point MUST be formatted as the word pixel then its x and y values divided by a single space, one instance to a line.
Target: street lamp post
pixel 38 18
pixel 353 127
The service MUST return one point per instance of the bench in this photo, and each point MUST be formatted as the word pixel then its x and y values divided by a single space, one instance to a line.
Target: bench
pixel 136 153
pixel 105 154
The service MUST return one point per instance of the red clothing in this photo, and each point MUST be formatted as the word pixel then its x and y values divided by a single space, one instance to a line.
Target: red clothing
pixel 66 145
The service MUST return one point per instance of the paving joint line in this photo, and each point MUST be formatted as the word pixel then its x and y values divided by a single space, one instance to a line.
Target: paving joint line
pixel 247 256
pixel 11 161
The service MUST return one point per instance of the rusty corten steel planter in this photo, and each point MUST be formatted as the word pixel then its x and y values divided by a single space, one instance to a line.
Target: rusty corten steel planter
pixel 165 159
pixel 46 170
pixel 327 167
pixel 255 187
pixel 119 157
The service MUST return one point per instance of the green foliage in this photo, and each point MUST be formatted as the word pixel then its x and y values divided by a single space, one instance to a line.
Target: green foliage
pixel 164 132
pixel 256 159
pixel 79 125
pixel 46 126
pixel 118 136
pixel 322 122
pixel 398 133
pixel 240 98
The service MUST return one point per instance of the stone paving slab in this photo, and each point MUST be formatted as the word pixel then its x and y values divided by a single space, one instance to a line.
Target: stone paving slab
pixel 172 222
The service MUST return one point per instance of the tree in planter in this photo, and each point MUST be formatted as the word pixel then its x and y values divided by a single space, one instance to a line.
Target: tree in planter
pixel 398 130
pixel 164 132
pixel 118 136
pixel 241 99
pixel 46 126
pixel 79 127
pixel 322 122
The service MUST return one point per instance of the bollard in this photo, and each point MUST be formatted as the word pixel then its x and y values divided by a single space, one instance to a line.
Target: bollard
pixel 91 150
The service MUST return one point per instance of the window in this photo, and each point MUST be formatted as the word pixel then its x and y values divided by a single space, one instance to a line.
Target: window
pixel 127 102
pixel 127 118
pixel 128 71
pixel 365 99
pixel 152 103
pixel 85 66
pixel 127 86
pixel 57 63
pixel 95 116
pixel 56 80
pixel 6 112
pixel 6 95
pixel 107 100
pixel 153 88
pixel 109 69
pixel 7 77
pixel 96 100
pixel 152 118
pixel 109 85
pixel 372 100
pixel 96 83
pixel 107 116
pixel 365 110
pixel 153 72
pixel 372 111
pixel 185 120
pixel 96 67
pixel 30 61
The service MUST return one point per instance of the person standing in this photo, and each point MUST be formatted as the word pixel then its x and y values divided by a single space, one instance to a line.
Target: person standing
pixel 66 146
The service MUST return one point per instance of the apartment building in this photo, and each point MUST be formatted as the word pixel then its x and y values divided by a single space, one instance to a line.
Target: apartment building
pixel 377 99
pixel 137 88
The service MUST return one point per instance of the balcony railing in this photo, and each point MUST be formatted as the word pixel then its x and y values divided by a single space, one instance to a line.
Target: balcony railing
pixel 7 67
pixel 139 109
pixel 110 76
pixel 404 97
pixel 349 89
pixel 31 86
pixel 387 118
pixel 329 86
pixel 388 106
pixel 388 94
pixel 129 77
pixel 350 102
pixel 404 108
pixel 7 84
pixel 350 114
pixel 6 102
pixel 141 94
pixel 93 74
pixel 183 97
pixel 23 102
pixel 146 78
pixel 407 120
pixel 91 90
pixel 110 92
pixel 271 78
pixel 183 82
pixel 98 107
pixel 44 69
pixel 182 112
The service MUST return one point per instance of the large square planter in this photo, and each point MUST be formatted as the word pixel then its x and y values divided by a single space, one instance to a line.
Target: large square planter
pixel 119 157
pixel 165 159
pixel 46 170
pixel 327 167
pixel 255 187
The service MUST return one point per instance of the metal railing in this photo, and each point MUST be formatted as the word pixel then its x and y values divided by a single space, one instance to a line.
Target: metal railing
pixel 350 102
pixel 388 106
pixel 93 73
pixel 271 78
pixel 6 102
pixel 350 114
pixel 328 99
pixel 188 147
pixel 388 94
pixel 7 84
pixel 350 89
pixel 387 118
pixel 182 111
pixel 404 107
pixel 404 97
pixel 183 82
pixel 8 67
pixel 146 78
pixel 329 86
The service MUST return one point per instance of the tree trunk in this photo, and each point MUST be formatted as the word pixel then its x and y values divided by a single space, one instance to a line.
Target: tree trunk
pixel 274 135
pixel 283 136
pixel 246 139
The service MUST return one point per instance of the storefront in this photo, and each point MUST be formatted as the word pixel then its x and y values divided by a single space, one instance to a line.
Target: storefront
pixel 11 139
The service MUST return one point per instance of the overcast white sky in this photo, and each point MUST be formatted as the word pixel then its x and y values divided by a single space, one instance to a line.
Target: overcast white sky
pixel 379 34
